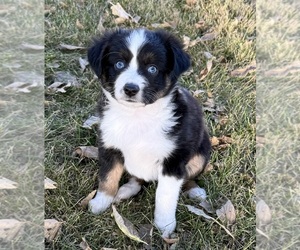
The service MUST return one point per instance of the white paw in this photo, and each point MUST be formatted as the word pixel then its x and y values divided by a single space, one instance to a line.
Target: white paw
pixel 197 193
pixel 100 203
pixel 127 190
pixel 165 225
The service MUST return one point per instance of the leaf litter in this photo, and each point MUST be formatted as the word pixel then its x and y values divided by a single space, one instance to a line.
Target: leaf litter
pixel 86 152
pixel 91 121
pixel 10 229
pixel 200 212
pixel 51 228
pixel 118 10
pixel 241 72
pixel 126 226
pixel 263 213
pixel 49 184
pixel 227 213
pixel 7 184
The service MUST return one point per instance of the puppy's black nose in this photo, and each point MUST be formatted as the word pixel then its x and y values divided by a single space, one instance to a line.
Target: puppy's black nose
pixel 131 89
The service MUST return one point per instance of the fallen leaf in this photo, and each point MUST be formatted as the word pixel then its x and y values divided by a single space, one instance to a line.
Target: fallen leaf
pixel 145 233
pixel 86 151
pixel 263 213
pixel 227 213
pixel 291 68
pixel 163 25
pixel 191 2
pixel 262 233
pixel 10 228
pixel 63 46
pixel 208 36
pixel 119 11
pixel 171 240
pixel 49 184
pixel 225 140
pixel 214 141
pixel 51 228
pixel 84 203
pixel 91 121
pixel 200 24
pixel 207 206
pixel 32 47
pixel 7 184
pixel 210 103
pixel 126 226
pixel 83 63
pixel 84 245
pixel 241 72
pixel 205 71
pixel 22 87
pixel 107 248
pixel 209 167
pixel 100 26
pixel 59 87
pixel 197 92
pixel 120 20
pixel 200 212
pixel 63 80
pixel 79 25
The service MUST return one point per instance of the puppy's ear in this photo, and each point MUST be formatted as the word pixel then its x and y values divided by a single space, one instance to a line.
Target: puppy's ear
pixel 178 59
pixel 96 53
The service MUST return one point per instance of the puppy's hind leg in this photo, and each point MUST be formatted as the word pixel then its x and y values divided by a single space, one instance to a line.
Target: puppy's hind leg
pixel 129 189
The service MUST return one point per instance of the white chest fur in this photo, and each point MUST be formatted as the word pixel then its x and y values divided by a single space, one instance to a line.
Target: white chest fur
pixel 140 133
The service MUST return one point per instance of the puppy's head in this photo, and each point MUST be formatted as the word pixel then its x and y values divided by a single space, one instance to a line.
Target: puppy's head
pixel 138 66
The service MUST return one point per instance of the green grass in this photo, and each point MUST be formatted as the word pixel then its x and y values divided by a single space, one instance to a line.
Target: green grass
pixel 233 176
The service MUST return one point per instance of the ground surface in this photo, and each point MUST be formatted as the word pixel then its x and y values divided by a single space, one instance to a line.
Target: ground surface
pixel 232 114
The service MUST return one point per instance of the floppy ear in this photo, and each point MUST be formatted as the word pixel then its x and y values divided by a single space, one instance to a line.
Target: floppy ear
pixel 96 51
pixel 179 59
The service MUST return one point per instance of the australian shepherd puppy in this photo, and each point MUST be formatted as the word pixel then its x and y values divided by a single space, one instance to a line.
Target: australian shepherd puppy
pixel 150 126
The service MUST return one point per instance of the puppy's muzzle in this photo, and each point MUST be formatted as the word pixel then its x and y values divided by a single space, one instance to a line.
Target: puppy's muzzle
pixel 131 89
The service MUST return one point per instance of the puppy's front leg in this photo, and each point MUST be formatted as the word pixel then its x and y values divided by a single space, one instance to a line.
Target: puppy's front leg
pixel 166 198
pixel 110 172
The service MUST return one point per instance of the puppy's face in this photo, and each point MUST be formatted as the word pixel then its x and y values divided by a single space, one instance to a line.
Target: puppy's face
pixel 138 66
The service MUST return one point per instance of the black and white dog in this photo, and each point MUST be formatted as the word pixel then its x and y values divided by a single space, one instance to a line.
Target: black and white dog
pixel 150 126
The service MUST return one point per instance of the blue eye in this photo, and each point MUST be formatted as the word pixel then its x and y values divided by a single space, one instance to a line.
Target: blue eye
pixel 152 70
pixel 119 65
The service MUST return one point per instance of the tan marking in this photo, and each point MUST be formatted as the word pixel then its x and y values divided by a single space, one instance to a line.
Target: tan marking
pixel 111 185
pixel 195 166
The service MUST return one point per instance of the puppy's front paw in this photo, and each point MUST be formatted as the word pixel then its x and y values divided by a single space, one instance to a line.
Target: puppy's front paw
pixel 165 225
pixel 100 203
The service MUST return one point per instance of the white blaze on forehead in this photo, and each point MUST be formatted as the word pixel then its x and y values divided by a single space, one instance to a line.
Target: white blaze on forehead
pixel 135 41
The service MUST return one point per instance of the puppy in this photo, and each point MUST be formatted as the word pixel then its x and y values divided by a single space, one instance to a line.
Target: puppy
pixel 150 126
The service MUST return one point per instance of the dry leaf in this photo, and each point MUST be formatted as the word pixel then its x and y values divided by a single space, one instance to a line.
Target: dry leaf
pixel 84 203
pixel 209 167
pixel 51 228
pixel 7 184
pixel 241 72
pixel 208 36
pixel 49 184
pixel 199 24
pixel 262 233
pixel 22 87
pixel 91 121
pixel 66 77
pixel 83 63
pixel 214 141
pixel 162 25
pixel 201 213
pixel 225 140
pixel 197 92
pixel 293 67
pixel 227 213
pixel 126 226
pixel 145 232
pixel 59 87
pixel 34 47
pixel 100 26
pixel 107 248
pixel 10 228
pixel 79 25
pixel 207 206
pixel 86 151
pixel 119 11
pixel 84 245
pixel 263 213
pixel 205 71
pixel 191 2
pixel 210 103
pixel 171 240
pixel 63 46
